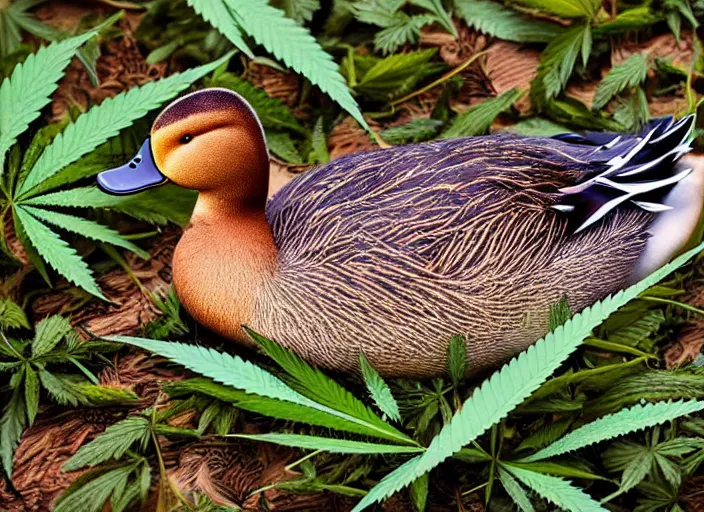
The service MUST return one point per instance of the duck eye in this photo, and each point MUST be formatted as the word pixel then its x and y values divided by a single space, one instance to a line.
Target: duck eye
pixel 186 139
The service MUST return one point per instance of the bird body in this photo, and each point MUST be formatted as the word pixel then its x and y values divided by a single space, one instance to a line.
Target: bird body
pixel 392 252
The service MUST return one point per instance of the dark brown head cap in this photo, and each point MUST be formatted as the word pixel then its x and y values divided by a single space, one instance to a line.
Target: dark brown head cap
pixel 213 99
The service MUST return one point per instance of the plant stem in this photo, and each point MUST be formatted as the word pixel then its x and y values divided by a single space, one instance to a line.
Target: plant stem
pixel 302 459
pixel 674 303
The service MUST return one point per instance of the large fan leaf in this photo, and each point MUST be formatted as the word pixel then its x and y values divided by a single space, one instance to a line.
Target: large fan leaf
pixel 512 384
pixel 219 16
pixel 629 73
pixel 618 424
pixel 329 444
pixel 556 490
pixel 160 205
pixel 57 253
pixel 240 374
pixel 28 90
pixel 295 46
pixel 106 120
pixel 496 20
pixel 86 228
pixel 317 386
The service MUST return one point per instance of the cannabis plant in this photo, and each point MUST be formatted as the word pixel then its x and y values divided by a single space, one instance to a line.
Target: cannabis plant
pixel 33 182
pixel 304 394
pixel 40 364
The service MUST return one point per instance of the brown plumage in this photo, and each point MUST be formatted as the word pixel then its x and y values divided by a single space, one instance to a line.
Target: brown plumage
pixel 392 252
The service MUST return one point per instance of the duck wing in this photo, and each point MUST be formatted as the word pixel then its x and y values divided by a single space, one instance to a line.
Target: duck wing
pixel 639 169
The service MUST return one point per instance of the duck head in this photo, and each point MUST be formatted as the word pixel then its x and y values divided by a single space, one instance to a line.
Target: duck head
pixel 210 141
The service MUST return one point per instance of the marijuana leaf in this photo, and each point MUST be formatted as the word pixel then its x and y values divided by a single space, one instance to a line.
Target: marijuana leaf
pixel 629 73
pixel 378 389
pixel 496 20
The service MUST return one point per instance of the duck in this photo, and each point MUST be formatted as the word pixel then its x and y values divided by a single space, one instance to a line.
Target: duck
pixel 391 252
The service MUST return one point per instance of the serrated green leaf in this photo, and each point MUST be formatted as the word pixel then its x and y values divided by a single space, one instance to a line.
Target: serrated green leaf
pixel 329 444
pixel 477 120
pixel 618 424
pixel 457 359
pixel 566 8
pixel 319 145
pixel 396 74
pixel 233 371
pixel 219 16
pixel 379 390
pixel 629 20
pixel 557 491
pixel 572 470
pixel 559 314
pixel 57 253
pixel 629 73
pixel 514 489
pixel 91 496
pixel 106 120
pixel 49 332
pixel 669 469
pixel 168 203
pixel 12 424
pixel 294 45
pixel 419 493
pixel 282 146
pixel 28 90
pixel 111 444
pixel 418 130
pixel 512 384
pixel 558 60
pixel 317 386
pixel 504 23
pixel 12 316
pixel 31 393
pixel 545 435
pixel 86 228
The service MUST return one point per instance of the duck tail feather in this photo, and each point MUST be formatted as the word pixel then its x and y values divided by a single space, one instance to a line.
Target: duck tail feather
pixel 638 170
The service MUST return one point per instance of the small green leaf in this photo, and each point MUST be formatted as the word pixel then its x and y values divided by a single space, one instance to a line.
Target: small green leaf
pixel 12 424
pixel 418 130
pixel 419 493
pixel 559 314
pixel 31 392
pixel 629 73
pixel 111 444
pixel 558 61
pixel 379 390
pixel 282 146
pixel 219 16
pixel 12 316
pixel 92 495
pixel 49 332
pixel 477 120
pixel 457 359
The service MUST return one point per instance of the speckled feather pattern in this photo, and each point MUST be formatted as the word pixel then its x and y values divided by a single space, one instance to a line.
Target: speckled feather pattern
pixel 395 251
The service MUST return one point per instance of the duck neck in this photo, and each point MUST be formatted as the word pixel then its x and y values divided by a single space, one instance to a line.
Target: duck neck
pixel 223 259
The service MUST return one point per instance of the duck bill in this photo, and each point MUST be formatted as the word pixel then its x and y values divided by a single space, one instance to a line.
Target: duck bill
pixel 138 174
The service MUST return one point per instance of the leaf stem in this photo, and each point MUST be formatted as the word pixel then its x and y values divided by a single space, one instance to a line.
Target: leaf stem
pixel 440 80
pixel 301 460
pixel 674 303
